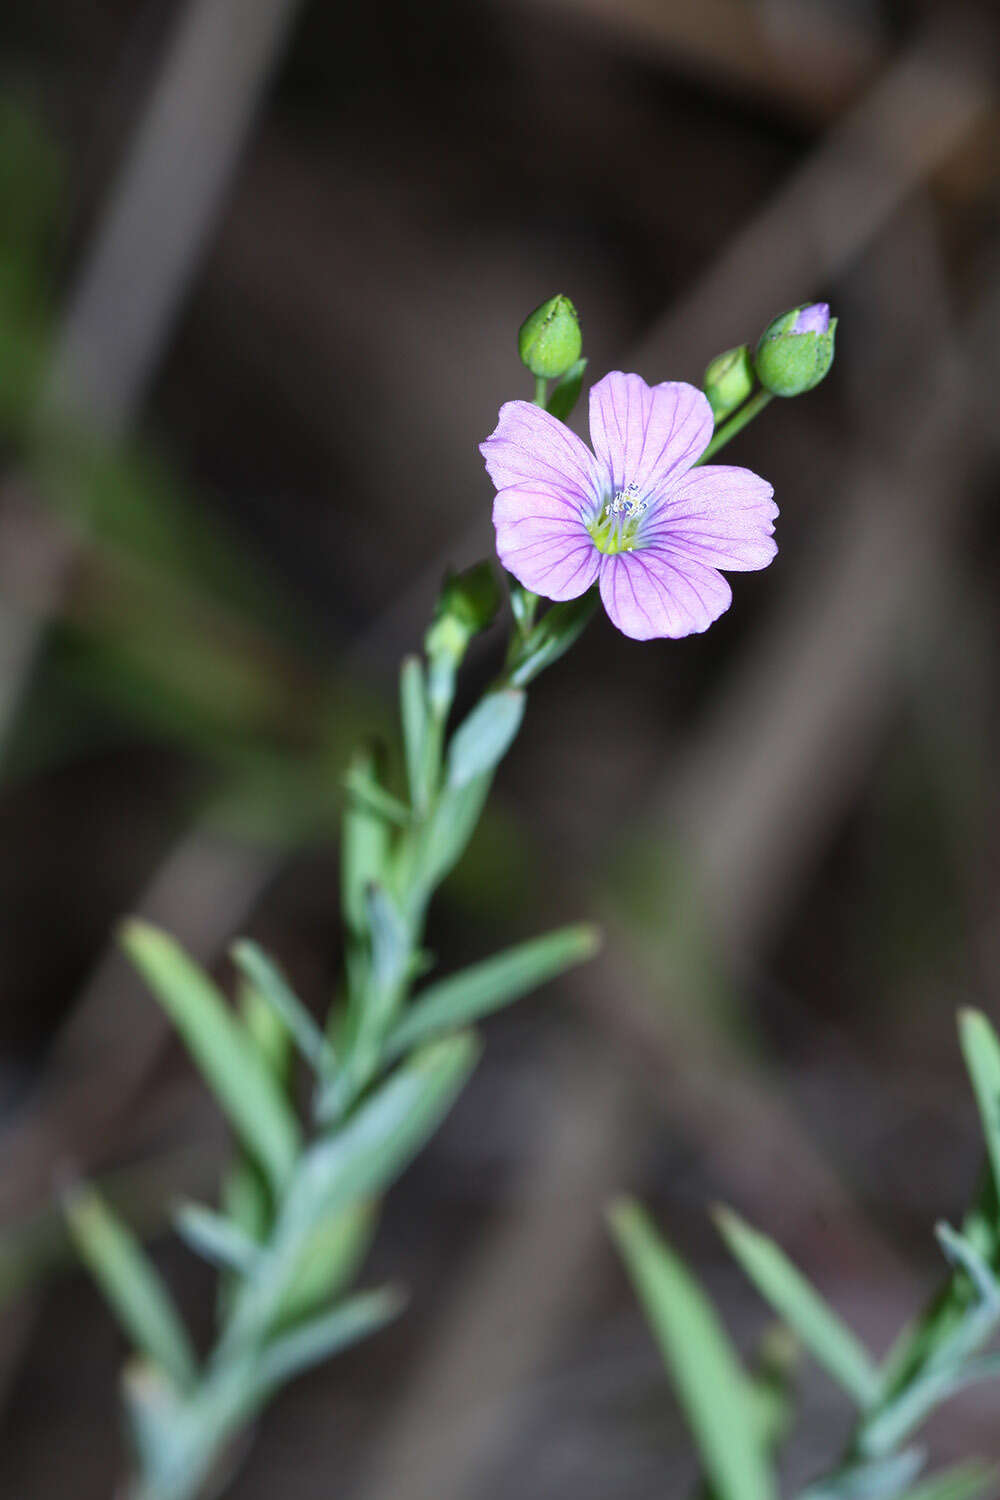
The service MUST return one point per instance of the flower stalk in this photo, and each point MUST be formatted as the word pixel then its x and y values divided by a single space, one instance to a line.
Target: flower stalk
pixel 735 424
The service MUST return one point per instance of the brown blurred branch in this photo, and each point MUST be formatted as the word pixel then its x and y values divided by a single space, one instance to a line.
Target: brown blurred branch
pixel 118 320
pixel 811 59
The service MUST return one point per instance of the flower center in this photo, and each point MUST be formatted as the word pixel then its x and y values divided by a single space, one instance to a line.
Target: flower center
pixel 615 526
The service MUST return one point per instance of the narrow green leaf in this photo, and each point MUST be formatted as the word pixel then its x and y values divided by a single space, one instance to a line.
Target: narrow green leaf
pixel 948 1367
pixel 966 1481
pixel 246 1091
pixel 391 949
pixel 330 1260
pixel 365 1155
pixel 936 1327
pixel 378 989
pixel 131 1285
pixel 982 1058
pixel 523 604
pixel 875 1479
pixel 364 849
pixel 552 637
pixel 215 1238
pixel 375 799
pixel 264 974
pixel 485 987
pixel 246 1198
pixel 711 1386
pixel 152 1409
pixel 356 1162
pixel 566 391
pixel 823 1333
pixel 447 836
pixel 413 714
pixel 962 1252
pixel 266 1031
pixel 482 739
pixel 356 1319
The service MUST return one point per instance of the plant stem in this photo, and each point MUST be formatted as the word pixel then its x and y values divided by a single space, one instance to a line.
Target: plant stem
pixel 541 387
pixel 736 423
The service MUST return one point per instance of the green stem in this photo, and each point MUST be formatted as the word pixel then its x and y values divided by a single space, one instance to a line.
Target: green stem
pixel 736 423
pixel 541 388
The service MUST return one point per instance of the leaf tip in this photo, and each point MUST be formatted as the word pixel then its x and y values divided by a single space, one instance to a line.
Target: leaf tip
pixel 623 1215
pixel 136 936
pixel 726 1220
pixel 591 939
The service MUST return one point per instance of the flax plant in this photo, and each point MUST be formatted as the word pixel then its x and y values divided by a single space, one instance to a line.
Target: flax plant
pixel 639 523
pixel 741 1419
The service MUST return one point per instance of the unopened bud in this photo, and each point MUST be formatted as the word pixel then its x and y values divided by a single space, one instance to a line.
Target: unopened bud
pixel 549 339
pixel 467 603
pixel 796 350
pixel 728 381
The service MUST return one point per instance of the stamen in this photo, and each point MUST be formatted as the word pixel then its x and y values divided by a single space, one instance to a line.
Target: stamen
pixel 627 503
pixel 614 528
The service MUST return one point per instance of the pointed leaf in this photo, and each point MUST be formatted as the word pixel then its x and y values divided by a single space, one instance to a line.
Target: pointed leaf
pixel 330 1260
pixel 947 1371
pixel 378 991
pixel 413 713
pixel 711 1386
pixel 485 987
pixel 552 637
pixel 230 1063
pixel 523 604
pixel 364 847
pixel 215 1238
pixel 153 1409
pixel 961 1252
pixel 482 740
pixel 264 974
pixel 824 1334
pixel 935 1328
pixel 131 1284
pixel 364 1156
pixel 266 1030
pixel 374 798
pixel 450 829
pixel 982 1058
pixel 357 1161
pixel 312 1342
pixel 391 949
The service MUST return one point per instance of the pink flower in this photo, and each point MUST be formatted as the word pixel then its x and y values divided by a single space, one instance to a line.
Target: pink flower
pixel 635 515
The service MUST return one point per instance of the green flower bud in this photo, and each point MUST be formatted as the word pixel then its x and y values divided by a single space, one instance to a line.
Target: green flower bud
pixel 467 603
pixel 473 596
pixel 728 381
pixel 796 350
pixel 549 339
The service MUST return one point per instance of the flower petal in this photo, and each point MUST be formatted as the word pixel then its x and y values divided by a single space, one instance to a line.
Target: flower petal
pixel 650 593
pixel 717 515
pixel 645 434
pixel 542 540
pixel 530 445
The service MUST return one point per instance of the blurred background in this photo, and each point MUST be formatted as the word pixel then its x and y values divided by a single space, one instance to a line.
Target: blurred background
pixel 262 264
